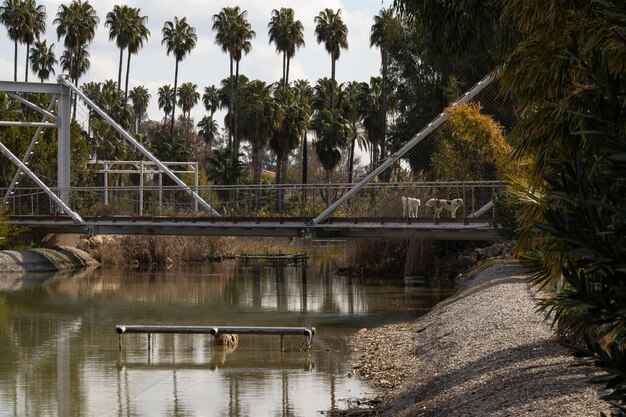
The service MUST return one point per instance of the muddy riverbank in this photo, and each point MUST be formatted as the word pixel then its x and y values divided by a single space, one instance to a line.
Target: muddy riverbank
pixel 483 352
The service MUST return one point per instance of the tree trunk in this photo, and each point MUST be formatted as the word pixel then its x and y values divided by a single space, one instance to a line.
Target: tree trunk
pixel 15 63
pixel 235 111
pixel 287 72
pixel 27 66
pixel 257 156
pixel 328 180
pixel 127 72
pixel 232 99
pixel 174 106
pixel 305 159
pixel 383 111
pixel 285 60
pixel 119 71
pixel 279 181
pixel 351 162
pixel 332 84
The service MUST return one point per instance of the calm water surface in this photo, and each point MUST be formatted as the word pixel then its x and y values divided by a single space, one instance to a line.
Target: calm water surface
pixel 59 352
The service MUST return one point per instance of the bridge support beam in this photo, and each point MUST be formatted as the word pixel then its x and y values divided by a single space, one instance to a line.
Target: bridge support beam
pixel 63 149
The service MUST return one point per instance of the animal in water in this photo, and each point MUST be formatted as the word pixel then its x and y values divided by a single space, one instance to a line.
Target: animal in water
pixel 410 206
pixel 439 204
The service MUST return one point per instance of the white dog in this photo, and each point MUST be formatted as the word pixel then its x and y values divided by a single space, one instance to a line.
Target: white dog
pixel 410 206
pixel 439 204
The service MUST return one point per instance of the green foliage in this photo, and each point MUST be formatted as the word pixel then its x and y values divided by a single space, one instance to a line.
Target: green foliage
pixel 580 244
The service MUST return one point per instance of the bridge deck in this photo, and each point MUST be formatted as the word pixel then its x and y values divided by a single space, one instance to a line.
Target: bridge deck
pixel 362 227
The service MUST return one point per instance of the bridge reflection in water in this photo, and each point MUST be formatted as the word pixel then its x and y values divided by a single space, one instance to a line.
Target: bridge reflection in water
pixel 375 211
pixel 60 354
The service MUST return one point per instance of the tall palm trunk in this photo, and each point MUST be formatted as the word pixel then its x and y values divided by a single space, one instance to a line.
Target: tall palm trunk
pixel 305 159
pixel 328 181
pixel 119 71
pixel 332 84
pixel 235 111
pixel 127 72
pixel 15 63
pixel 383 111
pixel 279 179
pixel 174 106
pixel 27 56
pixel 285 60
pixel 232 105
pixel 257 159
pixel 351 162
pixel 287 72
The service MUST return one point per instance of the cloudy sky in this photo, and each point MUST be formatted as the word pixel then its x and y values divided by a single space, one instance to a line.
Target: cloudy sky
pixel 207 64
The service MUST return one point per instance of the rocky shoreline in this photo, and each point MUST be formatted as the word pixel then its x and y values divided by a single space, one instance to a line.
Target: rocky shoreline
pixel 483 352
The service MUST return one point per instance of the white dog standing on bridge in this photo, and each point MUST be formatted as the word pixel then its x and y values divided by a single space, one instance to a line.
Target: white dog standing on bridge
pixel 410 206
pixel 439 204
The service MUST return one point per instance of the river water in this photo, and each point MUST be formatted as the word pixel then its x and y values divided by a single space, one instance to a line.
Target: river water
pixel 60 356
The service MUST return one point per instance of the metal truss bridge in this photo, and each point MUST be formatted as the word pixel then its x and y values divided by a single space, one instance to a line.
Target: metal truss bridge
pixel 368 209
pixel 375 212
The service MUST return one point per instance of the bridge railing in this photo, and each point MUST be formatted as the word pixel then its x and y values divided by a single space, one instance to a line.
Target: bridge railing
pixel 374 202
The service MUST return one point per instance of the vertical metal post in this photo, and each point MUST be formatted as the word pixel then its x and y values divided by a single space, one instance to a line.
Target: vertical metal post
pixel 160 191
pixel 106 184
pixel 141 188
pixel 196 189
pixel 63 150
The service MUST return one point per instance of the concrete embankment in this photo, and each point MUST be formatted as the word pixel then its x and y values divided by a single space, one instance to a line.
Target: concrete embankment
pixel 45 260
pixel 483 352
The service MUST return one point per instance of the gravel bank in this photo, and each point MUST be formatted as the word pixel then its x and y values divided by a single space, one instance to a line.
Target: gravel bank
pixel 483 352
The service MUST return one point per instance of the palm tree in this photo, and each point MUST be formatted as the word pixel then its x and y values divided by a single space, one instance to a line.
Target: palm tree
pixel 258 111
pixel 333 32
pixel 224 168
pixel 92 90
pixel 354 122
pixel 287 34
pixel 167 100
pixel 225 102
pixel 34 24
pixel 75 65
pixel 384 32
pixel 371 105
pixel 304 91
pixel 42 60
pixel 329 127
pixel 233 35
pixel 139 35
pixel 141 98
pixel 211 99
pixel 208 130
pixel 291 123
pixel 119 22
pixel 188 97
pixel 12 18
pixel 322 94
pixel 77 24
pixel 179 38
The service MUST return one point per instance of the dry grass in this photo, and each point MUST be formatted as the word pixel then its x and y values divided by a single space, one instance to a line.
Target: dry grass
pixel 128 250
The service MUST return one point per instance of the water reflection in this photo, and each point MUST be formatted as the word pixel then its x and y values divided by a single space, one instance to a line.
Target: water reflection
pixel 59 352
